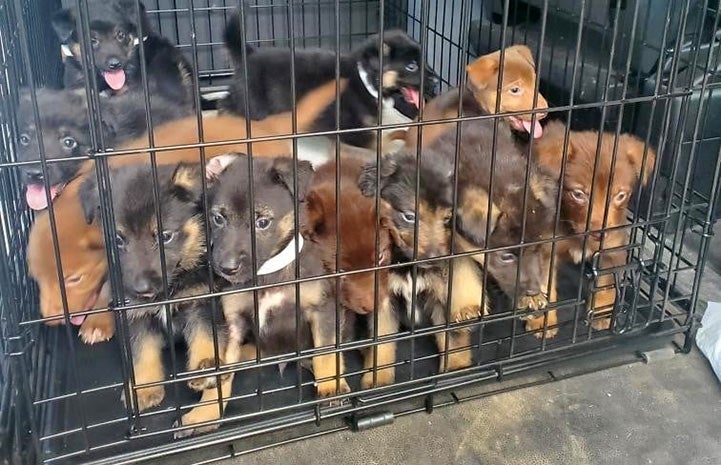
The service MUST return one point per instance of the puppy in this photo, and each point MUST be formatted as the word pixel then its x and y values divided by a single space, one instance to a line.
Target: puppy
pixel 66 133
pixel 599 201
pixel 518 85
pixel 84 269
pixel 499 220
pixel 270 74
pixel 276 238
pixel 353 223
pixel 430 295
pixel 115 35
pixel 138 243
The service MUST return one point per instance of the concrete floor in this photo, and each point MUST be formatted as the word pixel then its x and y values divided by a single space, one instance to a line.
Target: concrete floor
pixel 663 413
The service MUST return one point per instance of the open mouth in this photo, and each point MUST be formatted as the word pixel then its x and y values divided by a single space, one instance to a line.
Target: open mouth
pixel 412 96
pixel 36 197
pixel 115 78
pixel 522 125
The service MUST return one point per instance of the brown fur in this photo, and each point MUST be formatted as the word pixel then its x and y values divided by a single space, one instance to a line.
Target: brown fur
pixel 519 70
pixel 578 184
pixel 82 254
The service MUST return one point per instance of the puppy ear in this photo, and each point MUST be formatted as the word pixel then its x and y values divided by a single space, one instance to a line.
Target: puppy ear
pixel 523 51
pixel 64 25
pixel 314 222
pixel 282 172
pixel 544 189
pixel 216 165
pixel 367 179
pixel 186 182
pixel 474 218
pixel 634 149
pixel 89 199
pixel 483 71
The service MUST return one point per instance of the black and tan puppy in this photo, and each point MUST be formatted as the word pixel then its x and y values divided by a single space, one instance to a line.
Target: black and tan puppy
pixel 115 36
pixel 138 243
pixel 430 294
pixel 269 81
pixel 66 133
pixel 276 239
pixel 501 221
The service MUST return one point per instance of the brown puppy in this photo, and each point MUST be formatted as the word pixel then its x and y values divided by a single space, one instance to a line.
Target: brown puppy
pixel 599 200
pixel 357 229
pixel 82 254
pixel 518 85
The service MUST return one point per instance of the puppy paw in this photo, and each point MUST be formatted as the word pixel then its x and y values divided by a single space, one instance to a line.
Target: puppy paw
pixel 531 304
pixel 98 327
pixel 470 312
pixel 201 414
pixel 535 325
pixel 147 397
pixel 456 361
pixel 601 324
pixel 384 377
pixel 206 382
pixel 328 389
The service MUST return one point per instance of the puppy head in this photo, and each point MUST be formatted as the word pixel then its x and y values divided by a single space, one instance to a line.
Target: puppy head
pixel 518 84
pixel 65 133
pixel 401 64
pixel 397 189
pixel 82 255
pixel 357 232
pixel 137 236
pixel 114 34
pixel 616 185
pixel 273 214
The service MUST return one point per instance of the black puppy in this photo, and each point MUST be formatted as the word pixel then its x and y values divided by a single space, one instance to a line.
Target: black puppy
pixel 66 133
pixel 138 241
pixel 115 35
pixel 270 73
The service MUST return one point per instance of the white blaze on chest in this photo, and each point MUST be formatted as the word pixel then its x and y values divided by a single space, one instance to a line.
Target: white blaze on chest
pixel 266 304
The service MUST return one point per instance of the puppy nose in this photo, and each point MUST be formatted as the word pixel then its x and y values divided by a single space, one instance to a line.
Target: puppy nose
pixel 230 265
pixel 143 287
pixel 34 175
pixel 114 63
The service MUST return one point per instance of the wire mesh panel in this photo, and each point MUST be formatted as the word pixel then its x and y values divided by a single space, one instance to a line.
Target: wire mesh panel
pixel 179 288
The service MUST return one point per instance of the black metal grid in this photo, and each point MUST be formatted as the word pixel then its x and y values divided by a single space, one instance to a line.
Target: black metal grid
pixel 59 383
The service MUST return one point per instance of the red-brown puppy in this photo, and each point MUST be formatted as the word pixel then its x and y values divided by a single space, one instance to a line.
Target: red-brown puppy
pixel 518 85
pixel 357 230
pixel 599 200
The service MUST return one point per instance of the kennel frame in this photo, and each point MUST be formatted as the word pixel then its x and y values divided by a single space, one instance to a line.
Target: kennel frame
pixel 29 370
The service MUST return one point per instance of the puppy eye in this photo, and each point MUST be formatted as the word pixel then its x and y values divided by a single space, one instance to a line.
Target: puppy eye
pixel 262 223
pixel 69 143
pixel 167 236
pixel 412 67
pixel 120 241
pixel 24 140
pixel 515 90
pixel 73 280
pixel 507 257
pixel 578 195
pixel 121 36
pixel 620 197
pixel 218 219
pixel 408 217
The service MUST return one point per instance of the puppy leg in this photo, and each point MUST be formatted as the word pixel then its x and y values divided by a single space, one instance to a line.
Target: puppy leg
pixel 536 324
pixel 99 327
pixel 322 326
pixel 383 354
pixel 202 353
pixel 146 345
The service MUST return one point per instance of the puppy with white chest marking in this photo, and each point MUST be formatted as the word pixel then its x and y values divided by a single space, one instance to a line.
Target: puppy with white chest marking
pixel 272 218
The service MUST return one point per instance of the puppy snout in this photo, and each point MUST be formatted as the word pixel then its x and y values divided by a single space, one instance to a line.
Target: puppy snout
pixel 145 287
pixel 33 175
pixel 230 265
pixel 114 63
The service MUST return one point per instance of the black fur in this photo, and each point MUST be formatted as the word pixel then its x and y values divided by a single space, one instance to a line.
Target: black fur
pixel 113 27
pixel 270 73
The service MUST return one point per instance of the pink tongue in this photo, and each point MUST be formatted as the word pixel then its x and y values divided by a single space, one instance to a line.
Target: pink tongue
pixel 412 96
pixel 77 320
pixel 115 79
pixel 538 130
pixel 35 196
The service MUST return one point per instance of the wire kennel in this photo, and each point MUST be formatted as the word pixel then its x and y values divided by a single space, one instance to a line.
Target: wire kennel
pixel 648 67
